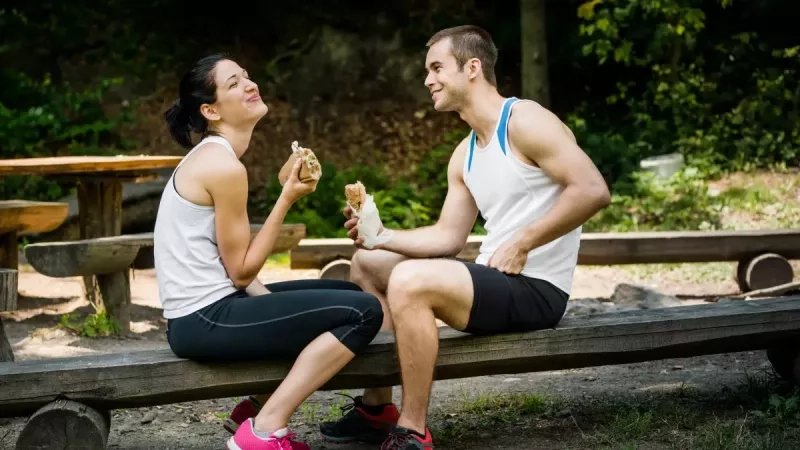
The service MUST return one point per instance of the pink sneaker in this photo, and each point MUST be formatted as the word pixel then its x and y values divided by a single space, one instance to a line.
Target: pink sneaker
pixel 244 410
pixel 246 439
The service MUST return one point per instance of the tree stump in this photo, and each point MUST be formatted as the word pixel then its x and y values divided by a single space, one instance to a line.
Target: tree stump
pixel 8 302
pixel 65 425
pixel 336 270
pixel 786 362
pixel 763 271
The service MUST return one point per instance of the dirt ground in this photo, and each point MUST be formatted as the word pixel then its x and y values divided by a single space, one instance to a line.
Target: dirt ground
pixel 34 334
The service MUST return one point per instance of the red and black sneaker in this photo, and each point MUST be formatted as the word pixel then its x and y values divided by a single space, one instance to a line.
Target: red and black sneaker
pixel 404 439
pixel 361 423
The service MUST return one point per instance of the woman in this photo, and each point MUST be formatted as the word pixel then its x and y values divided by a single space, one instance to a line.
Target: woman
pixel 206 263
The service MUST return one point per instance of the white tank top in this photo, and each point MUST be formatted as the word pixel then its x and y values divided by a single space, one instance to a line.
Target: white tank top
pixel 188 265
pixel 511 195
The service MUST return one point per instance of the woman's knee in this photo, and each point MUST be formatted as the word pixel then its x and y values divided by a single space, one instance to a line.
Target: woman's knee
pixel 371 312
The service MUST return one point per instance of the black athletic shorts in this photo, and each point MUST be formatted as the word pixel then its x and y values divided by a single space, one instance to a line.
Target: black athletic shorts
pixel 510 303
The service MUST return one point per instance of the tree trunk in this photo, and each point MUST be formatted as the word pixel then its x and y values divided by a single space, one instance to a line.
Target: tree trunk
pixel 535 82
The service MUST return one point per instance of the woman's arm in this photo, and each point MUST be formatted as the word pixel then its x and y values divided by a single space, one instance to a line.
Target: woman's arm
pixel 242 257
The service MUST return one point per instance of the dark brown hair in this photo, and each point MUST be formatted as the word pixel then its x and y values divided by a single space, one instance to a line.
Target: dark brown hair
pixel 467 42
pixel 196 87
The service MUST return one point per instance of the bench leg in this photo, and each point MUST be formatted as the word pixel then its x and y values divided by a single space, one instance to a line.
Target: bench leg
pixel 6 353
pixel 115 289
pixel 763 271
pixel 100 215
pixel 9 281
pixel 9 251
pixel 336 270
pixel 65 424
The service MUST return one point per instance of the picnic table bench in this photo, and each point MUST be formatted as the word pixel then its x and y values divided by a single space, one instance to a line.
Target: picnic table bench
pixel 110 259
pixel 99 182
pixel 25 216
pixel 78 392
pixel 762 255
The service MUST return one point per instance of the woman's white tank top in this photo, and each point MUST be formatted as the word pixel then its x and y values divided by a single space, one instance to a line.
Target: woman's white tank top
pixel 511 195
pixel 188 265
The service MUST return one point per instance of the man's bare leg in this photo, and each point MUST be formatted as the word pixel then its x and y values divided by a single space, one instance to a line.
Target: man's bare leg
pixel 370 269
pixel 419 292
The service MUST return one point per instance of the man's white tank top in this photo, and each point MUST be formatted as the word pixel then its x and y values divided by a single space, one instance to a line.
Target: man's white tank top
pixel 511 195
pixel 188 265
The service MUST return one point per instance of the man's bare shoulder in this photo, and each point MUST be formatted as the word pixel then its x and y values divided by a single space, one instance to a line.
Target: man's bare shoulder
pixel 533 128
pixel 458 155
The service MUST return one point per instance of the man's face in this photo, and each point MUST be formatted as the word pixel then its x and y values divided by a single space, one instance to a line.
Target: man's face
pixel 446 81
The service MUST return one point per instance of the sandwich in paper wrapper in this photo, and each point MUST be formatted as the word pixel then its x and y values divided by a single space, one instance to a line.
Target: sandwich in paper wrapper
pixel 311 170
pixel 369 219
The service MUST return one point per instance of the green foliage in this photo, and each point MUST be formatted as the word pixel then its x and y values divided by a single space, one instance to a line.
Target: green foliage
pixel 93 325
pixel 649 203
pixel 724 98
pixel 39 118
pixel 402 203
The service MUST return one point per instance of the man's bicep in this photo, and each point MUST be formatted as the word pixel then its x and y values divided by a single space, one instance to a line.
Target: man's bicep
pixel 543 138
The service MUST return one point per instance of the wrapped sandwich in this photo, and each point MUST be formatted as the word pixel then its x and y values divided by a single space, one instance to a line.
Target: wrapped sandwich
pixel 370 227
pixel 310 170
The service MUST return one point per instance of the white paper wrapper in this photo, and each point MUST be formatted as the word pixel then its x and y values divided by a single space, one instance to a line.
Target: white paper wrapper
pixel 369 224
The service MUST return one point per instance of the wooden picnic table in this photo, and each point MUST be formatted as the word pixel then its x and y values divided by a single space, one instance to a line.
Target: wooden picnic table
pixel 99 187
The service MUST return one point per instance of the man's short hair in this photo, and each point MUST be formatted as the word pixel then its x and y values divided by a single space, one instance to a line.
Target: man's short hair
pixel 470 41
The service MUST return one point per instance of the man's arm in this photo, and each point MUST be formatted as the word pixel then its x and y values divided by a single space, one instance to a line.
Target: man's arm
pixel 449 235
pixel 543 138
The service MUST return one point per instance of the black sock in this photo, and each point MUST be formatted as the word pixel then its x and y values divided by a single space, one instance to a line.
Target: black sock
pixel 373 410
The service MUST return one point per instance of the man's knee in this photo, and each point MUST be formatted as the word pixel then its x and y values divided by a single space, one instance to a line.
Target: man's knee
pixel 409 281
pixel 372 268
pixel 444 287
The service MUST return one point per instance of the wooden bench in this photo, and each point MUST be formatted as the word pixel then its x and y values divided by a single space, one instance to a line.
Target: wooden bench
pixel 109 260
pixel 78 392
pixel 762 254
pixel 24 216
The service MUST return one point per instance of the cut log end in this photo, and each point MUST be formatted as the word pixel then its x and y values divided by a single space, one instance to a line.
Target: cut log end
pixel 336 270
pixel 65 424
pixel 763 271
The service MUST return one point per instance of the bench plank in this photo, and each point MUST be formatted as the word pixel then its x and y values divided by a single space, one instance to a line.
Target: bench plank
pixel 114 254
pixel 149 378
pixel 23 216
pixel 610 248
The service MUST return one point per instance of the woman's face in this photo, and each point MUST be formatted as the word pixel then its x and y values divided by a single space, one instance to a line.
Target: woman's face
pixel 238 100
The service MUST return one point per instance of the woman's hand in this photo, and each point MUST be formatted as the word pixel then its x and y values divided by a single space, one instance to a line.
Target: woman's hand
pixel 294 189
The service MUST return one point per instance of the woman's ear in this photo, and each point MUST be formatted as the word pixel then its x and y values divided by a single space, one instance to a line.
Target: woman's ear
pixel 209 112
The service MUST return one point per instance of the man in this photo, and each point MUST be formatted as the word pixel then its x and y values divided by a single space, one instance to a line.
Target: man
pixel 522 169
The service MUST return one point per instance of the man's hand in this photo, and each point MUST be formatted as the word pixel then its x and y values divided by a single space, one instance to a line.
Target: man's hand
pixel 510 257
pixel 351 224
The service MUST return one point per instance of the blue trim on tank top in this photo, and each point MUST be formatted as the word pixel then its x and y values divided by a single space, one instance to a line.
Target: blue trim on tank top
pixel 501 131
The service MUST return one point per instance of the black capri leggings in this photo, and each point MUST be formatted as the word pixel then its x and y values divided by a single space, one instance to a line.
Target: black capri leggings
pixel 277 325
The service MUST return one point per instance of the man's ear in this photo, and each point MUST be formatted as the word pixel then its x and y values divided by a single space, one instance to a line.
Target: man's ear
pixel 474 68
pixel 209 112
